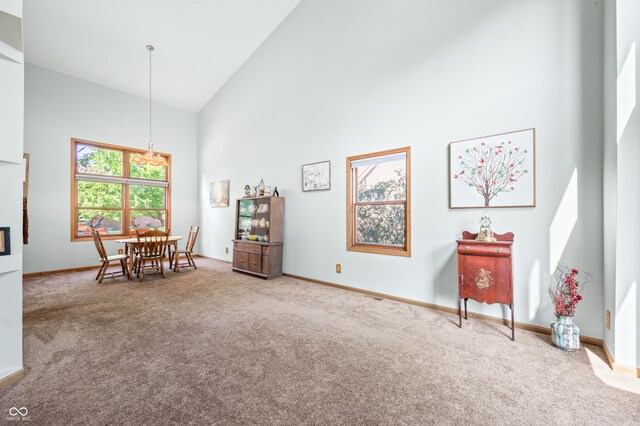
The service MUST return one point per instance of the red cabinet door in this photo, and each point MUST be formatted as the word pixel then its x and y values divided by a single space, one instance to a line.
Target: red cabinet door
pixel 485 279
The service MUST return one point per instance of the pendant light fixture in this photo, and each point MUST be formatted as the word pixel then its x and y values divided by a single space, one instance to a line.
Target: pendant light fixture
pixel 149 157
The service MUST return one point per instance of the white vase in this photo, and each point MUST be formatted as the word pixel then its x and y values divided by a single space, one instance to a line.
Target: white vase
pixel 565 334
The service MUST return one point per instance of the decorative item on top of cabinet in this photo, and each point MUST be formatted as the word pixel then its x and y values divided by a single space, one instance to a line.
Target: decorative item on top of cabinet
pixel 258 243
pixel 485 234
pixel 485 272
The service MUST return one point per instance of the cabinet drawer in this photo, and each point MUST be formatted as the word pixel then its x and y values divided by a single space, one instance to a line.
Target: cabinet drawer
pixel 254 263
pixel 490 250
pixel 240 259
pixel 265 250
pixel 252 248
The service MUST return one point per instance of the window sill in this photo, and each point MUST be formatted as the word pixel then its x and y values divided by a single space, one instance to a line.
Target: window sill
pixel 391 251
pixel 104 237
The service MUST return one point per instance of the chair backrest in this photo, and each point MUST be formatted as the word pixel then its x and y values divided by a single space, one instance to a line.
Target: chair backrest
pixel 134 232
pixel 191 239
pixel 97 240
pixel 154 243
pixel 150 233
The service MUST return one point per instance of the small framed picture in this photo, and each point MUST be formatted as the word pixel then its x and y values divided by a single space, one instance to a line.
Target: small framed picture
pixel 5 241
pixel 316 176
pixel 219 195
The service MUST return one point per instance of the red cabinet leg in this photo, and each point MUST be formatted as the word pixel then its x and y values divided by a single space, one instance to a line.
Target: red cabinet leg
pixel 459 313
pixel 513 325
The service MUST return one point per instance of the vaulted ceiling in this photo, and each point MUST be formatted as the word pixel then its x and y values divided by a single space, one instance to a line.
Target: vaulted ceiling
pixel 199 44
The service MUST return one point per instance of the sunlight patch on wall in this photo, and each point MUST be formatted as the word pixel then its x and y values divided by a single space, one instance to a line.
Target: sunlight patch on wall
pixel 626 91
pixel 534 289
pixel 626 328
pixel 563 222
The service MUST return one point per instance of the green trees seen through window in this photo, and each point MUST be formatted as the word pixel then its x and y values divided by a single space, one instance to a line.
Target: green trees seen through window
pixel 100 202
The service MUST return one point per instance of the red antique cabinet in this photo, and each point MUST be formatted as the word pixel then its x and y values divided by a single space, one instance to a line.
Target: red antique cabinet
pixel 485 272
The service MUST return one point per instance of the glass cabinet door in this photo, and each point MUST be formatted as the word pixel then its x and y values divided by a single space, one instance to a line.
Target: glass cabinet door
pixel 253 218
pixel 244 217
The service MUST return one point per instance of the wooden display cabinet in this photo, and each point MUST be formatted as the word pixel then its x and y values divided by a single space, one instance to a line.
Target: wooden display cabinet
pixel 263 217
pixel 485 272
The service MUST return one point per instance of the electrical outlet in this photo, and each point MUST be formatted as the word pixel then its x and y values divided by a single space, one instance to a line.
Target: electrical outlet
pixel 608 319
pixel 226 250
pixel 338 268
pixel 120 251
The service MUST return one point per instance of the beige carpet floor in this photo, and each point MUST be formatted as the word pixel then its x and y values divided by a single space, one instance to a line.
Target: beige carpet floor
pixel 216 347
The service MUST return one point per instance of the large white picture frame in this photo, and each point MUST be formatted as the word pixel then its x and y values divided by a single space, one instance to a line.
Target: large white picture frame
pixel 493 171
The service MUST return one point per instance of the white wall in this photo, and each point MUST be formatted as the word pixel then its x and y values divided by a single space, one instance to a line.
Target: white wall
pixel 11 177
pixel 621 180
pixel 610 161
pixel 58 108
pixel 343 78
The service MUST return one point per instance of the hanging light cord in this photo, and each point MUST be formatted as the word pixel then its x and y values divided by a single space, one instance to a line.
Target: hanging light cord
pixel 149 157
pixel 150 49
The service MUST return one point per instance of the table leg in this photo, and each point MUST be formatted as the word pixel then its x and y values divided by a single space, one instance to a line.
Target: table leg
pixel 129 251
pixel 175 256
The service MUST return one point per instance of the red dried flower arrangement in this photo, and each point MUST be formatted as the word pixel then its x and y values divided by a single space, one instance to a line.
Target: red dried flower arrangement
pixel 565 293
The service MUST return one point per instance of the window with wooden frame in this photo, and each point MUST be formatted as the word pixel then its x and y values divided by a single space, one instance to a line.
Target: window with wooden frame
pixel 379 202
pixel 114 195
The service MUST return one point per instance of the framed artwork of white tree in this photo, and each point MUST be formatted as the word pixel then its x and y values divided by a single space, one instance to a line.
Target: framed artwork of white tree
pixel 493 171
pixel 219 194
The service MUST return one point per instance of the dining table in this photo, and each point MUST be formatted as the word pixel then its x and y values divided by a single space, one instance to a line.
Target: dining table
pixel 130 245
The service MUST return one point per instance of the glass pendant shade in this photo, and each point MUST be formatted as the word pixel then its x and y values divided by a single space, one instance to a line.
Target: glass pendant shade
pixel 149 157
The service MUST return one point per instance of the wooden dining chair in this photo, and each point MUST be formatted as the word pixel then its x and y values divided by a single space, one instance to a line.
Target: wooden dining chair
pixel 152 248
pixel 133 232
pixel 174 257
pixel 105 259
